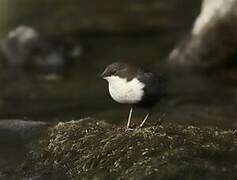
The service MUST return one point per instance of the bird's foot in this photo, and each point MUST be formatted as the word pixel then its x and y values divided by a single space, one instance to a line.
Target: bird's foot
pixel 139 127
pixel 130 128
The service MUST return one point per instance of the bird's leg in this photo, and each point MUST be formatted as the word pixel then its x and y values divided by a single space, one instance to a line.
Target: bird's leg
pixel 144 120
pixel 129 118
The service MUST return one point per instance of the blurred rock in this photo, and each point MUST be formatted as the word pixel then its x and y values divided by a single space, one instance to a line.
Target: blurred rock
pixel 91 149
pixel 24 47
pixel 20 127
pixel 73 16
pixel 16 137
pixel 213 39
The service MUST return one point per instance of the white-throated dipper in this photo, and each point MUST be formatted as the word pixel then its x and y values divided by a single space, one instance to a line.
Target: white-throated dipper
pixel 129 84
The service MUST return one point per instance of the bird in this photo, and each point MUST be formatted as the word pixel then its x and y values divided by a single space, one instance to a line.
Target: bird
pixel 130 84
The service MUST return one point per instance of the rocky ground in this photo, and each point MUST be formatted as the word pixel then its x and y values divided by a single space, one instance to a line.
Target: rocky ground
pixel 91 149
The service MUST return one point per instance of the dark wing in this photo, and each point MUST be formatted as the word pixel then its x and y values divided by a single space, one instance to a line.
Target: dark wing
pixel 152 89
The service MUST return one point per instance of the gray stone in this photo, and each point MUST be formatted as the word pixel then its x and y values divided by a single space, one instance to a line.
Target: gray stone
pixel 213 38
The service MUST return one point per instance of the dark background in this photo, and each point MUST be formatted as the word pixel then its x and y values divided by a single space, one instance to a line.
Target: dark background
pixel 136 31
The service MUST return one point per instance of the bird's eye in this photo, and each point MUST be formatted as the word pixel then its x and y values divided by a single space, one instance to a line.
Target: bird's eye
pixel 114 72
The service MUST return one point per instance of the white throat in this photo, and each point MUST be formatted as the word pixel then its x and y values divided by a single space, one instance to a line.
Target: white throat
pixel 124 91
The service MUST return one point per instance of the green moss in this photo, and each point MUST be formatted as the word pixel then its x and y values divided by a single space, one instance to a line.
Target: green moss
pixel 88 149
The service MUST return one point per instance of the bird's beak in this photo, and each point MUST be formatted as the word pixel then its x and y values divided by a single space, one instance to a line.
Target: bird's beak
pixel 103 75
pixel 100 75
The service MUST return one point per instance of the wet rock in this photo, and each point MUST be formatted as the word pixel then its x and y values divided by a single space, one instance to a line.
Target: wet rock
pixel 213 38
pixel 24 47
pixel 20 127
pixel 16 139
pixel 91 149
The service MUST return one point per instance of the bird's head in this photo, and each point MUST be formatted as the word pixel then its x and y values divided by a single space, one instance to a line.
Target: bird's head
pixel 121 70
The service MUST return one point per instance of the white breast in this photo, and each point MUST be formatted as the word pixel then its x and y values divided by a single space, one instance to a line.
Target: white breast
pixel 124 91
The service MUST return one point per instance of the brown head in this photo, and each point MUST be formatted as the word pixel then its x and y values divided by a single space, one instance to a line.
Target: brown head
pixel 122 70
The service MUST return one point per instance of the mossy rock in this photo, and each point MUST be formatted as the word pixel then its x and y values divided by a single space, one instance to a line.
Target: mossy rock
pixel 91 149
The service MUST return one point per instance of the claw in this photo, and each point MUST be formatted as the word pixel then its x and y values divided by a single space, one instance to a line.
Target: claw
pixel 130 129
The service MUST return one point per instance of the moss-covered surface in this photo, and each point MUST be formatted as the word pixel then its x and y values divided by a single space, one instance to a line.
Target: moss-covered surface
pixel 90 149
